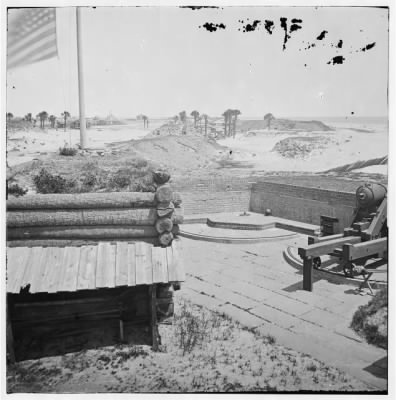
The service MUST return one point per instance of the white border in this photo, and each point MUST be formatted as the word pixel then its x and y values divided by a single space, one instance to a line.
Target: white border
pixel 391 163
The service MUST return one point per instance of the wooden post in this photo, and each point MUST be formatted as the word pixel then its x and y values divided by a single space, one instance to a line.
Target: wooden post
pixel 122 337
pixel 81 95
pixel 307 274
pixel 153 311
pixel 10 338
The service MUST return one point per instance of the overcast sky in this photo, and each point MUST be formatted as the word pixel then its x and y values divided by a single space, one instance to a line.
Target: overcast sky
pixel 158 61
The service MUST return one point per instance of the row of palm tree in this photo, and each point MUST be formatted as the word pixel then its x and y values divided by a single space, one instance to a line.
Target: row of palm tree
pixel 230 120
pixel 145 121
pixel 43 116
pixel 268 118
pixel 197 117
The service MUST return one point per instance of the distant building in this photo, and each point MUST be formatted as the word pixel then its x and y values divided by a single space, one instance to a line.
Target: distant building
pixel 75 123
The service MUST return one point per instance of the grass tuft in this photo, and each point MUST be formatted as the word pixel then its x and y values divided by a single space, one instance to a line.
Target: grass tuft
pixel 371 320
pixel 67 151
pixel 46 183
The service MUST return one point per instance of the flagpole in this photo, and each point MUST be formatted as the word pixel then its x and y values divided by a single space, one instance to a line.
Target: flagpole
pixel 81 94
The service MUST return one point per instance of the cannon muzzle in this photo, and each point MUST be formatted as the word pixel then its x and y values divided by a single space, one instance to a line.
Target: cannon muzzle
pixel 370 194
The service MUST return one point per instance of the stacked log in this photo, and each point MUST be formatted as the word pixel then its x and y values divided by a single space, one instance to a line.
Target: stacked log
pixel 51 218
pixel 169 212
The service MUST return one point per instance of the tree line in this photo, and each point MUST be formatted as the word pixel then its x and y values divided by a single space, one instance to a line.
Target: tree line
pixel 230 120
pixel 42 117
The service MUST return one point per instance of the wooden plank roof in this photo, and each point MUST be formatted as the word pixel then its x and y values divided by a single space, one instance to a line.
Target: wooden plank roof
pixel 106 265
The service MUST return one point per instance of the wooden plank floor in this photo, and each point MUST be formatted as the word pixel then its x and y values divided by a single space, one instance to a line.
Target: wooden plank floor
pixel 106 265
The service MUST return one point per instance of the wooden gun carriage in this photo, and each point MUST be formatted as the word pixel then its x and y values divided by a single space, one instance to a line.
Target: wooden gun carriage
pixel 366 240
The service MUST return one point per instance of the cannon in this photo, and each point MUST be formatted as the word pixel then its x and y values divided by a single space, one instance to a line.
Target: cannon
pixel 366 239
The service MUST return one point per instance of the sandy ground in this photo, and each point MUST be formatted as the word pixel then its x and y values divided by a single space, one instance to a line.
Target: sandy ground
pixel 23 146
pixel 345 145
pixel 225 358
pixel 251 152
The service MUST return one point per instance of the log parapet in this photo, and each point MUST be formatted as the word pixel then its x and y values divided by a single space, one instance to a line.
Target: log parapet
pixel 97 216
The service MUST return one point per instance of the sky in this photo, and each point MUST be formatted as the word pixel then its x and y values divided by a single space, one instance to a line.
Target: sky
pixel 161 60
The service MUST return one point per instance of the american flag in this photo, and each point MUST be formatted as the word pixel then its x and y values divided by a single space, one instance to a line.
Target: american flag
pixel 31 35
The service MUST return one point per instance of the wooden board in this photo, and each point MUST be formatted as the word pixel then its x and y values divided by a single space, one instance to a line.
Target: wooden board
pixel 144 275
pixel 121 268
pixel 364 249
pixel 175 266
pixel 160 264
pixel 87 271
pixel 17 259
pixel 319 249
pixel 131 262
pixel 40 271
pixel 31 267
pixel 52 279
pixel 105 265
pixel 70 266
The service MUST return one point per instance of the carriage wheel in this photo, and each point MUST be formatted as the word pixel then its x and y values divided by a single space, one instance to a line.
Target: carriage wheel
pixel 316 262
pixel 348 269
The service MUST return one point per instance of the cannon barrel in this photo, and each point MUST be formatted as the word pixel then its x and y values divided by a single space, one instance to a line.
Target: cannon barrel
pixel 370 194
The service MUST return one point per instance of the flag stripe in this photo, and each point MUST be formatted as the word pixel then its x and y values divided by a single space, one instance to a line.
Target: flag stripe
pixel 31 35
pixel 30 29
pixel 50 53
pixel 36 46
pixel 31 54
pixel 29 41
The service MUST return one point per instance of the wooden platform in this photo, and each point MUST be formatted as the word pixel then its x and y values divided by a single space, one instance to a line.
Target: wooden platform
pixel 105 265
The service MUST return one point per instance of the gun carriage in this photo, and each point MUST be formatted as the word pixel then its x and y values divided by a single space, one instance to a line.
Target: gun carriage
pixel 360 248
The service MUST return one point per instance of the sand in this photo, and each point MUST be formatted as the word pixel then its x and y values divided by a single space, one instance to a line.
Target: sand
pixel 344 146
pixel 253 151
pixel 23 146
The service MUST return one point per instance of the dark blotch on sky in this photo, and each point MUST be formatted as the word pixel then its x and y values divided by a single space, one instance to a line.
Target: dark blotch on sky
pixel 251 27
pixel 309 46
pixel 322 35
pixel 211 27
pixel 337 60
pixel 295 27
pixel 197 7
pixel 269 26
pixel 368 47
pixel 339 44
pixel 283 22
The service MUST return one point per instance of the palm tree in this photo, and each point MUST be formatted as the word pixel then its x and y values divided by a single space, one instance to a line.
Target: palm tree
pixel 230 114
pixel 43 115
pixel 235 114
pixel 28 117
pixel 183 116
pixel 205 118
pixel 144 118
pixel 10 116
pixel 52 119
pixel 226 116
pixel 65 116
pixel 268 117
pixel 195 114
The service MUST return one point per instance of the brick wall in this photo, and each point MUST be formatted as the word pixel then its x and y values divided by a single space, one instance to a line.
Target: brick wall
pixel 289 201
pixel 301 203
pixel 214 195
